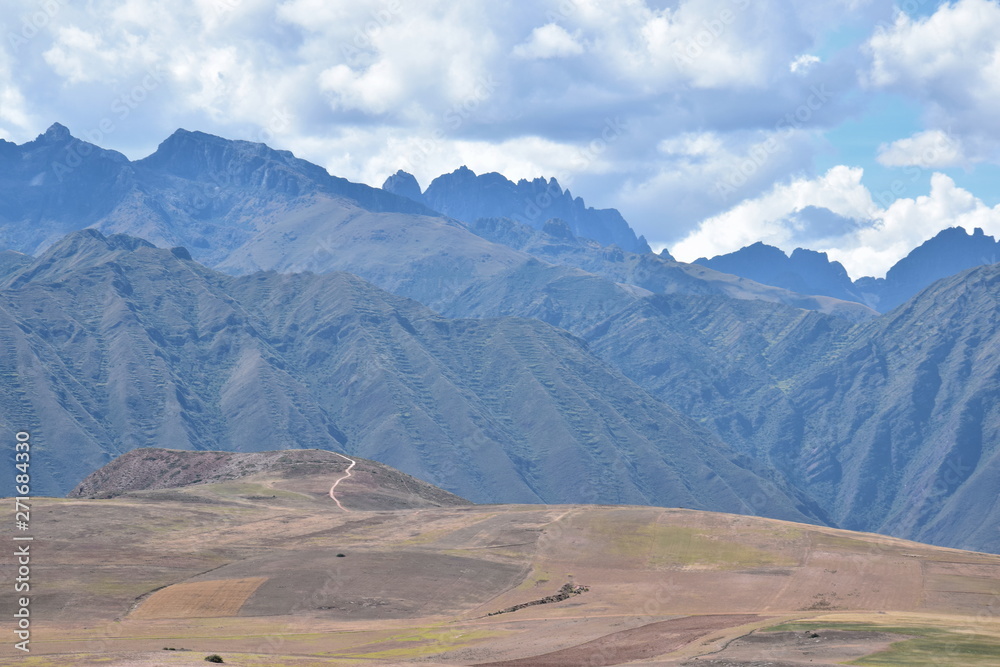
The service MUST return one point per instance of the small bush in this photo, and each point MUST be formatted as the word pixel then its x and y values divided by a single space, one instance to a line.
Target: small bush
pixel 214 658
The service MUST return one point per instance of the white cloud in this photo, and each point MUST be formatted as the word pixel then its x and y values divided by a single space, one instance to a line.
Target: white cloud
pixel 698 174
pixel 13 111
pixel 78 55
pixel 877 239
pixel 706 44
pixel 375 90
pixel 703 88
pixel 931 149
pixel 803 63
pixel 548 41
pixel 950 61
pixel 766 217
pixel 693 145
pixel 909 222
pixel 15 117
pixel 375 153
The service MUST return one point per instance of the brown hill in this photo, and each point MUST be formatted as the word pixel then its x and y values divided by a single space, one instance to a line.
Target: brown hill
pixel 311 472
pixel 264 569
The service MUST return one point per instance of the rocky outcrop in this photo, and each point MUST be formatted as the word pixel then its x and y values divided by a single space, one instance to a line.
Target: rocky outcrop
pixel 565 593
pixel 466 196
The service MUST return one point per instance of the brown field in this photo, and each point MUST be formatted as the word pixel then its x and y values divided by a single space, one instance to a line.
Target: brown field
pixel 199 599
pixel 250 569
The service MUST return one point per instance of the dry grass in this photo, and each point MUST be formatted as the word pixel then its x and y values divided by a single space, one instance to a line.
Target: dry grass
pixel 257 573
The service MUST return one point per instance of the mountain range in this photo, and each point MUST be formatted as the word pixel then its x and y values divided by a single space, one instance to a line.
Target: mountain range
pixel 504 358
pixel 117 345
pixel 949 252
pixel 466 196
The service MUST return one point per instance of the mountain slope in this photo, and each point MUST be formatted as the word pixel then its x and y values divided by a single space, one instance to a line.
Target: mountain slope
pixel 805 271
pixel 891 424
pixel 658 274
pixel 115 345
pixel 949 252
pixel 109 343
pixel 56 184
pixel 908 412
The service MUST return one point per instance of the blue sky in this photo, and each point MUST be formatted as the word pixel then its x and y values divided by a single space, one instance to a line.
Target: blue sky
pixel 710 124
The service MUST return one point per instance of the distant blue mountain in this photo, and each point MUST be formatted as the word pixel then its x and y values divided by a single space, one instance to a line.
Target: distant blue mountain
pixel 953 250
pixel 467 197
pixel 809 272
pixel 806 271
pixel 196 190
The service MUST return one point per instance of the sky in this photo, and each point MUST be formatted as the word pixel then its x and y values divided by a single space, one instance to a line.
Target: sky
pixel 855 127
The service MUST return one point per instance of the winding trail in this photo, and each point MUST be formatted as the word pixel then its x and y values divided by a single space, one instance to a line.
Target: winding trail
pixel 348 471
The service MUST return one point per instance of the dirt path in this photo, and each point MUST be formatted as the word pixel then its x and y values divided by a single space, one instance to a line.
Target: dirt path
pixel 341 479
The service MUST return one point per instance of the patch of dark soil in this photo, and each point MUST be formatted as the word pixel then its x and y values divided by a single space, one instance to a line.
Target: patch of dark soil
pixel 815 648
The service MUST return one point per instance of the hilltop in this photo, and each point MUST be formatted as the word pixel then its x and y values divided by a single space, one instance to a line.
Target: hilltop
pixel 371 485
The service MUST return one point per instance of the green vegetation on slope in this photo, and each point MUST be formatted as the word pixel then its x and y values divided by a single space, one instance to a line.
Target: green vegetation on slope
pixel 925 646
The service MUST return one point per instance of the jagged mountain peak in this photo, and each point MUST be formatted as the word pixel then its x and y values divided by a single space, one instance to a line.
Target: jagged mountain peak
pixel 544 182
pixel 808 271
pixel 56 134
pixel 404 184
pixel 213 164
pixel 467 197
pixel 948 252
pixel 62 152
